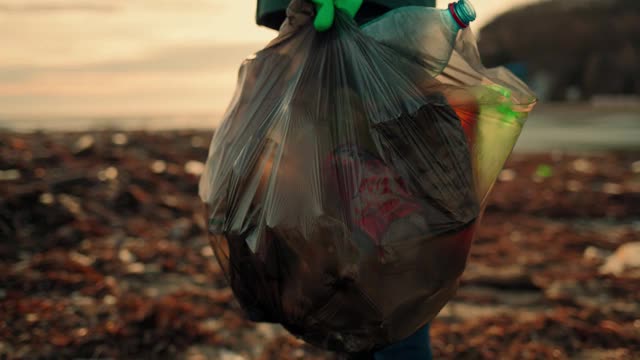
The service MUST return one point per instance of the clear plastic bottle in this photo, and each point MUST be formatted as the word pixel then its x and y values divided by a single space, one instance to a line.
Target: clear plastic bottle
pixel 428 33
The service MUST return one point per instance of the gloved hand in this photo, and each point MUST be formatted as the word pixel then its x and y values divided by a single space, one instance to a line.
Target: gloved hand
pixel 326 11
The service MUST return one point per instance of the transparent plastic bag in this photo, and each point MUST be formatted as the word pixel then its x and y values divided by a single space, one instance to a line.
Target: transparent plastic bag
pixel 346 182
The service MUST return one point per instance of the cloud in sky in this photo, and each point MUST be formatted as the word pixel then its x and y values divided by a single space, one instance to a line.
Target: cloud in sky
pixel 138 27
pixel 100 5
pixel 196 79
pixel 48 7
pixel 144 56
pixel 176 58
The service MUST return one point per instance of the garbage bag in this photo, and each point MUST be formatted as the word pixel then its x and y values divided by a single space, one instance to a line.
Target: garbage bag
pixel 347 179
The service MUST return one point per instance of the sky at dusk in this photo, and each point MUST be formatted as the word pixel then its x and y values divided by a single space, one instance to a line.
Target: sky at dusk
pixel 133 57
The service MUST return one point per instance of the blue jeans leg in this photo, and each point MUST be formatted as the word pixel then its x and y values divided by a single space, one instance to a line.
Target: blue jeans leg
pixel 415 347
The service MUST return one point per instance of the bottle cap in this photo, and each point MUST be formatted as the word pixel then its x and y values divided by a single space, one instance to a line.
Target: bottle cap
pixel 462 12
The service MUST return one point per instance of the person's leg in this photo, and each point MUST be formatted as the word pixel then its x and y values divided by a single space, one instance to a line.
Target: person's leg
pixel 415 347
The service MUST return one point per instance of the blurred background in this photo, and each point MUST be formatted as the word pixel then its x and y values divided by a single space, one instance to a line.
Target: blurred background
pixel 170 64
pixel 106 112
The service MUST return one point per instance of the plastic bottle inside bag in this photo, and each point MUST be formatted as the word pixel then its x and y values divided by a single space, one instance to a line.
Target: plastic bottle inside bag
pixel 427 33
pixel 489 112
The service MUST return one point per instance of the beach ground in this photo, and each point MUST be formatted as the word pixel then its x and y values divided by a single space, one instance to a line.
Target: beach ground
pixel 105 256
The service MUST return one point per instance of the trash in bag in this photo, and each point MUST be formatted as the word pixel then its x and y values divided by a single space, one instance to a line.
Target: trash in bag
pixel 347 179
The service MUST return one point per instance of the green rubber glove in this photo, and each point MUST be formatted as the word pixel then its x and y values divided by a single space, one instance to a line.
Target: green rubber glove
pixel 326 11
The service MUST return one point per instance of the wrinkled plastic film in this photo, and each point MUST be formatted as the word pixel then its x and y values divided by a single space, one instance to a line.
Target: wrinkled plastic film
pixel 345 182
pixel 496 100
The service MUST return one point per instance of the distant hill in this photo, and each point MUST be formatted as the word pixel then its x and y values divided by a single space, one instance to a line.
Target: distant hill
pixel 589 46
